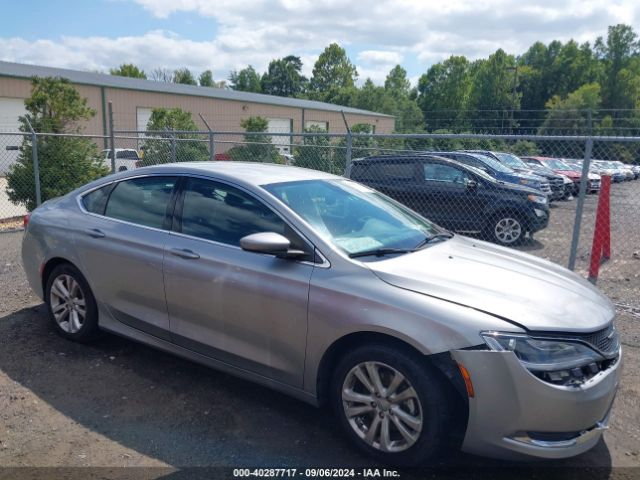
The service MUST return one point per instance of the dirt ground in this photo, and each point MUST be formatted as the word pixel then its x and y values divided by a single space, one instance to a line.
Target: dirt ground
pixel 119 404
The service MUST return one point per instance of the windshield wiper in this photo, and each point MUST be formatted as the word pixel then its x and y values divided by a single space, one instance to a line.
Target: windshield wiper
pixel 437 236
pixel 380 252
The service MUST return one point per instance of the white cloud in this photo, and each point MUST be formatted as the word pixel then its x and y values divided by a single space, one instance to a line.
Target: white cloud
pixel 380 57
pixel 379 33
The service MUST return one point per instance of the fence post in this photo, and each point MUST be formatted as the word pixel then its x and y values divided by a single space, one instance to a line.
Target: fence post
pixel 584 180
pixel 349 140
pixel 112 139
pixel 36 164
pixel 173 148
pixel 212 144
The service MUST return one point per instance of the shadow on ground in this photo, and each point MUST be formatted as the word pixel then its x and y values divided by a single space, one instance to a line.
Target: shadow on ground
pixel 187 415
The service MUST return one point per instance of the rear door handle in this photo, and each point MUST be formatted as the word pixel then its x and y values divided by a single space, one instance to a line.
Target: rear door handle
pixel 184 253
pixel 94 232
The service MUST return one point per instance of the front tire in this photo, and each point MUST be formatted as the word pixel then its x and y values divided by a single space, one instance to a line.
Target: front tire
pixel 71 305
pixel 391 404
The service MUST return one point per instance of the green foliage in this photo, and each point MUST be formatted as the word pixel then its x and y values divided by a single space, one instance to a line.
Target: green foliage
pixel 206 79
pixel 524 147
pixel 55 106
pixel 128 70
pixel 316 152
pixel 332 72
pixel 184 75
pixel 246 80
pixel 158 147
pixel 443 93
pixel 571 113
pixel 65 163
pixel 255 148
pixel 284 77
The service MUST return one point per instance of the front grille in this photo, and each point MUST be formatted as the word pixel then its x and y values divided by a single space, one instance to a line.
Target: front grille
pixel 544 186
pixel 606 340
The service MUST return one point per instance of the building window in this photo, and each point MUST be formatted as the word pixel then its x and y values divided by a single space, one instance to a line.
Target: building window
pixel 324 126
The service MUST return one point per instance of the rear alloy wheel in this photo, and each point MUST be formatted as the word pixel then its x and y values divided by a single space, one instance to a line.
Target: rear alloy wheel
pixel 71 305
pixel 507 230
pixel 390 403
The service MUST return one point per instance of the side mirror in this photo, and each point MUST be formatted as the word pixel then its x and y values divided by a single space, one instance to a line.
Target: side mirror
pixel 270 243
pixel 471 184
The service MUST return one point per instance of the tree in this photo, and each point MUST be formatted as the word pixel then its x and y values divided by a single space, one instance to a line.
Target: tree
pixel 159 147
pixel 571 114
pixel 66 163
pixel 491 96
pixel 246 80
pixel 128 70
pixel 284 77
pixel 184 75
pixel 162 75
pixel 206 79
pixel 256 148
pixel 397 83
pixel 616 53
pixel 443 93
pixel 332 72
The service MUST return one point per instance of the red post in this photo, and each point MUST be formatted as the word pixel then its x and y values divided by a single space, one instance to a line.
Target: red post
pixel 601 246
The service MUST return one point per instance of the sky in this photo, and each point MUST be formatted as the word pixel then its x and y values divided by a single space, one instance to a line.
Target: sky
pixel 227 35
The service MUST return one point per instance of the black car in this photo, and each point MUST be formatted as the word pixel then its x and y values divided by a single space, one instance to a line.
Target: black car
pixel 556 182
pixel 456 196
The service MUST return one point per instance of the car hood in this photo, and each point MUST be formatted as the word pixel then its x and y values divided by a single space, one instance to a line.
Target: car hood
pixel 525 290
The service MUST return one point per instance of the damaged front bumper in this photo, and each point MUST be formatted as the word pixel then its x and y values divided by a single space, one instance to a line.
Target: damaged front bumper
pixel 514 414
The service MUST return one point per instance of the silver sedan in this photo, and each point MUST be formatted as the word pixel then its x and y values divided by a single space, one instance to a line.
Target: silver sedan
pixel 333 293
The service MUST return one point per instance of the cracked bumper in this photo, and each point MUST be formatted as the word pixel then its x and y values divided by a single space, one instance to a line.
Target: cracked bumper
pixel 515 415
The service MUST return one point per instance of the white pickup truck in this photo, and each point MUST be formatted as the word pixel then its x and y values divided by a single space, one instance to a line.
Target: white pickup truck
pixel 126 159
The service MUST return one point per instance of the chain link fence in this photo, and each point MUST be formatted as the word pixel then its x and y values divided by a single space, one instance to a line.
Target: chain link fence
pixel 534 193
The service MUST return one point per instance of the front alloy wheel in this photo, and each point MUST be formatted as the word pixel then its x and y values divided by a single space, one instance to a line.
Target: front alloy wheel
pixel 391 403
pixel 382 406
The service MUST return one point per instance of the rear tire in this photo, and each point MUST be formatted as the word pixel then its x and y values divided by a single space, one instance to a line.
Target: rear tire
pixel 506 229
pixel 71 305
pixel 396 394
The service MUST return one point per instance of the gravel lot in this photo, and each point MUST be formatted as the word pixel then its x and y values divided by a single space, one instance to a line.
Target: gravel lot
pixel 117 403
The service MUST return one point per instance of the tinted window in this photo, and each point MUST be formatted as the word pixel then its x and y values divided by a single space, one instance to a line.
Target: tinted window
pixel 127 154
pixel 385 171
pixel 141 200
pixel 218 212
pixel 95 201
pixel 435 172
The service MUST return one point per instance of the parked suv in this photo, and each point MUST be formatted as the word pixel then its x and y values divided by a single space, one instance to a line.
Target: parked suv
pixel 456 196
pixel 555 181
pixel 497 170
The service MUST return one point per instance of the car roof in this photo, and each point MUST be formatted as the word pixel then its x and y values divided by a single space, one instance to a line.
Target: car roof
pixel 250 173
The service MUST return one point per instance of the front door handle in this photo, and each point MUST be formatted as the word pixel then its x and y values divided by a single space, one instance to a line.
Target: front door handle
pixel 94 232
pixel 184 253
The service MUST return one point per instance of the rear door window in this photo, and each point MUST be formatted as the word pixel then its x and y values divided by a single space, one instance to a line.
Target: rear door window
pixel 95 201
pixel 143 201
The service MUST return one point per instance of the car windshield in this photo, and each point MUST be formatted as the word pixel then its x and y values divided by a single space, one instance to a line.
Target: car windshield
pixel 493 163
pixel 511 160
pixel 557 165
pixel 353 217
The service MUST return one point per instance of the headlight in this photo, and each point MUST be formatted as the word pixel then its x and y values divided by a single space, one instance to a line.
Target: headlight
pixel 541 199
pixel 524 181
pixel 540 354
